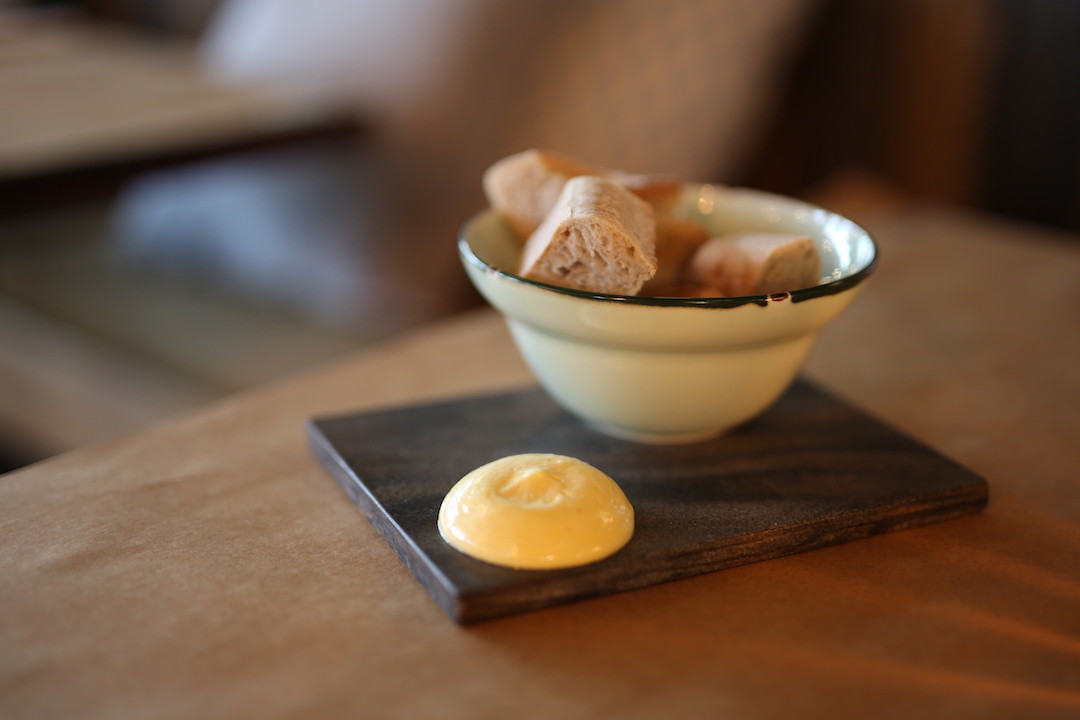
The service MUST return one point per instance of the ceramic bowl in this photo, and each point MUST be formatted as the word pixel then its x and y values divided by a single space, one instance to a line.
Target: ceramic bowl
pixel 673 370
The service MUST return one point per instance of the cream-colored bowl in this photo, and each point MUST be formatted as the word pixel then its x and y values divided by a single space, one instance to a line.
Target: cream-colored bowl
pixel 671 370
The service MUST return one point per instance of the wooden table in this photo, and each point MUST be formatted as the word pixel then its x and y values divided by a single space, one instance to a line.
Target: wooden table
pixel 210 568
pixel 85 107
pixel 85 110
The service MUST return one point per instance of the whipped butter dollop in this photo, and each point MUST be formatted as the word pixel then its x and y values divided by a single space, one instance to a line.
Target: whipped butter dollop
pixel 536 511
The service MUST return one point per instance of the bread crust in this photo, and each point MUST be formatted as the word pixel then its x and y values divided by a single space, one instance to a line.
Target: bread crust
pixel 677 239
pixel 524 187
pixel 755 264
pixel 660 190
pixel 599 237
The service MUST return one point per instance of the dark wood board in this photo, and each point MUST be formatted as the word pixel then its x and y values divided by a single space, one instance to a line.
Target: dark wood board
pixel 810 472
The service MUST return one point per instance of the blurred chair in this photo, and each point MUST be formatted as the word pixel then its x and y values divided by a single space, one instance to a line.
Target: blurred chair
pixel 449 86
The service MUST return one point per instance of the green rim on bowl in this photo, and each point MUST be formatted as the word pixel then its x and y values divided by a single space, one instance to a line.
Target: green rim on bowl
pixel 829 288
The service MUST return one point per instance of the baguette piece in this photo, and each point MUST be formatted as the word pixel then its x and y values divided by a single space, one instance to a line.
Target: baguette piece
pixel 523 187
pixel 677 239
pixel 599 237
pixel 660 190
pixel 755 264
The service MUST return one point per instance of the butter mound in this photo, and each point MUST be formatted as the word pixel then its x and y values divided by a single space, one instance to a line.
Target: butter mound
pixel 536 511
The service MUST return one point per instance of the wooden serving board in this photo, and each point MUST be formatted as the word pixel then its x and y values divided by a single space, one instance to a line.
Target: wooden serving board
pixel 810 472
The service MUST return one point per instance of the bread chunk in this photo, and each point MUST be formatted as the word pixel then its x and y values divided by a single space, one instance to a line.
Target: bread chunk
pixel 659 190
pixel 599 237
pixel 523 187
pixel 676 290
pixel 755 264
pixel 677 240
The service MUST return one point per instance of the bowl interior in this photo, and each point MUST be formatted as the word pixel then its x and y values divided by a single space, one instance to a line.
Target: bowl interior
pixel 847 251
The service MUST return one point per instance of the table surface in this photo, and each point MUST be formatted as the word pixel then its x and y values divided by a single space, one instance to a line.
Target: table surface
pixel 76 93
pixel 209 567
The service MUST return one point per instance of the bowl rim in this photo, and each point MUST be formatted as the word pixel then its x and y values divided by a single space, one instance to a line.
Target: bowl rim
pixel 802 294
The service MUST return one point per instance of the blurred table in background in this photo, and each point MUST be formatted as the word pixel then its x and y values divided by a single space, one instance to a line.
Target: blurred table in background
pixel 84 107
pixel 90 347
pixel 209 567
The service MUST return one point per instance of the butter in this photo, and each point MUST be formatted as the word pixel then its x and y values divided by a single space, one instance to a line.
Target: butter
pixel 536 511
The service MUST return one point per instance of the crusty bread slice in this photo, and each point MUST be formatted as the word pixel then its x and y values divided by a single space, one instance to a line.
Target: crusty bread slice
pixel 523 187
pixel 599 237
pixel 756 264
pixel 659 190
pixel 677 240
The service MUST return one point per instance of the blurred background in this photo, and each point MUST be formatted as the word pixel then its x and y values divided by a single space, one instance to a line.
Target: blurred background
pixel 201 196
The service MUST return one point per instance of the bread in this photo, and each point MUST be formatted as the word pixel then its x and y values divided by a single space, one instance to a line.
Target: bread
pixel 523 187
pixel 681 289
pixel 659 190
pixel 591 228
pixel 755 264
pixel 677 240
pixel 598 237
